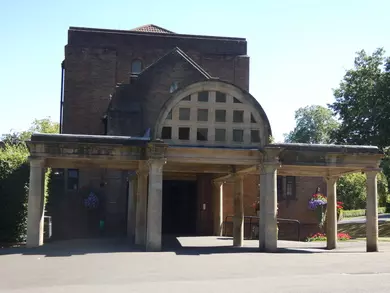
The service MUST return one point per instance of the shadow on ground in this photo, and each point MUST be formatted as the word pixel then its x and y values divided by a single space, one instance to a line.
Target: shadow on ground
pixel 177 245
pixel 358 230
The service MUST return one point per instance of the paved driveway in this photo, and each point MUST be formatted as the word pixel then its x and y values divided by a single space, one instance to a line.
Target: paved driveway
pixel 213 266
pixel 360 220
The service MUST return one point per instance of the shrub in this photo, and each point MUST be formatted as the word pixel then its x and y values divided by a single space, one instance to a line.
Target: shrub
pixel 351 190
pixel 322 237
pixel 360 213
pixel 14 181
pixel 14 176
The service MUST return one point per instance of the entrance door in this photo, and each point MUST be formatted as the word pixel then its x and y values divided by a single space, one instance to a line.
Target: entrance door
pixel 179 207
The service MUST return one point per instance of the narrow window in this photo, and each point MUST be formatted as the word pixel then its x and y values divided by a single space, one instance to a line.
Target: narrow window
pixel 220 135
pixel 203 114
pixel 253 120
pixel 136 66
pixel 220 97
pixel 238 116
pixel 73 179
pixel 238 135
pixel 236 101
pixel 220 115
pixel 166 132
pixel 203 96
pixel 201 134
pixel 169 116
pixel 290 187
pixel 184 133
pixel 188 98
pixel 255 135
pixel 279 185
pixel 184 113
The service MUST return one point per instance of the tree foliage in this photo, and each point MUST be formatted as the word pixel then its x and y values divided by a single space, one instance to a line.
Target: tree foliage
pixel 351 190
pixel 362 101
pixel 14 180
pixel 45 125
pixel 314 124
pixel 14 174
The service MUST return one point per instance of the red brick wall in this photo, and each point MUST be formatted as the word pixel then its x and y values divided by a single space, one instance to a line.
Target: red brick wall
pixel 89 80
pixel 95 60
pixel 295 209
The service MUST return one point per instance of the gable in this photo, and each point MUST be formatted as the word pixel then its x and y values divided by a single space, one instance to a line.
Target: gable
pixel 151 28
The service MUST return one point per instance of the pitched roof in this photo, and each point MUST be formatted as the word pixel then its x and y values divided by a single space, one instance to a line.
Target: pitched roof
pixel 179 52
pixel 151 28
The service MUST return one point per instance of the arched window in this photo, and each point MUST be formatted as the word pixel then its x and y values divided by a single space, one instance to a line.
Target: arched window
pixel 136 66
pixel 212 118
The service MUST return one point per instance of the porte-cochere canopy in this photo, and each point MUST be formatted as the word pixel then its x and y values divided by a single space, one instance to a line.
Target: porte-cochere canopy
pixel 213 113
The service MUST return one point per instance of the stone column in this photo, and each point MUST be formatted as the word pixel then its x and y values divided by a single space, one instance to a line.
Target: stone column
pixel 154 217
pixel 131 207
pixel 372 212
pixel 36 198
pixel 268 231
pixel 142 199
pixel 238 219
pixel 218 207
pixel 331 213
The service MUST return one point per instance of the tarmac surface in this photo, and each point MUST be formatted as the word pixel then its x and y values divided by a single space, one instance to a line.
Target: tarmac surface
pixel 361 220
pixel 194 264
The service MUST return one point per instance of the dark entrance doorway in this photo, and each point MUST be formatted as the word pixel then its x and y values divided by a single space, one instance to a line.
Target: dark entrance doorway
pixel 179 207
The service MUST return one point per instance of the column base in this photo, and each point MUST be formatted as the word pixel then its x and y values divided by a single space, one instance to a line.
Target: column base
pixel 372 248
pixel 269 250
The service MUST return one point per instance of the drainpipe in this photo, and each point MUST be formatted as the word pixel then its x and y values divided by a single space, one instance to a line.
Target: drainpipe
pixel 62 95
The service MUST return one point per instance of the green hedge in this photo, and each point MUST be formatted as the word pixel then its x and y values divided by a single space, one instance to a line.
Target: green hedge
pixel 360 213
pixel 14 180
pixel 14 175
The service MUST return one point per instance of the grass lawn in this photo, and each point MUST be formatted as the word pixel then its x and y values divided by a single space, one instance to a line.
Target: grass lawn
pixel 358 230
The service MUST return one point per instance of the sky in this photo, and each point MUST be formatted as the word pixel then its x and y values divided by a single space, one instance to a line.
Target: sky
pixel 299 49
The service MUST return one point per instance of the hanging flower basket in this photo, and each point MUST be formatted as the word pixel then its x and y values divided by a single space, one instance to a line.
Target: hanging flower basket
pixel 91 201
pixel 317 203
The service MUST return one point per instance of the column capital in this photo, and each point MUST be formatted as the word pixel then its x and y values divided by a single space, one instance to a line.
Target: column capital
pixel 143 169
pixel 372 171
pixel 331 178
pixel 271 154
pixel 156 150
pixel 238 176
pixel 157 162
pixel 269 167
pixel 218 183
pixel 36 162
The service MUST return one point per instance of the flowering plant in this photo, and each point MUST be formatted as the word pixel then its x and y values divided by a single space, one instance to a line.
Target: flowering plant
pixel 322 237
pixel 256 205
pixel 91 201
pixel 317 200
pixel 340 206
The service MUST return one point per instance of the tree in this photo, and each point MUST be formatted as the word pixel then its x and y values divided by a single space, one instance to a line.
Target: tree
pixel 14 179
pixel 351 190
pixel 314 124
pixel 45 125
pixel 363 102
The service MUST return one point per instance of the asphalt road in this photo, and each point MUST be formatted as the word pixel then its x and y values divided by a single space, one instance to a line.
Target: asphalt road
pixel 210 267
pixel 360 220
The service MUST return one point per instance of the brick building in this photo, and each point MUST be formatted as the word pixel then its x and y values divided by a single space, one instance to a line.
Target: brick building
pixel 116 82
pixel 162 129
